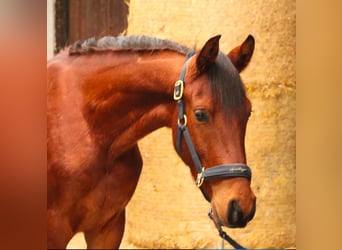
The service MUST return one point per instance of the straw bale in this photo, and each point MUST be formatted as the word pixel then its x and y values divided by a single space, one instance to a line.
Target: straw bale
pixel 167 210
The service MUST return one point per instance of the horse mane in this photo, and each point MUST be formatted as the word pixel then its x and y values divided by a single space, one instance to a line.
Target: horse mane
pixel 136 43
pixel 225 83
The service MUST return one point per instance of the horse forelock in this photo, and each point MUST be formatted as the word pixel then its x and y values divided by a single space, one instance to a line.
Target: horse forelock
pixel 225 83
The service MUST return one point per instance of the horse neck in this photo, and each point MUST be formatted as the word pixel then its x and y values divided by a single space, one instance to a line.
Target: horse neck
pixel 131 96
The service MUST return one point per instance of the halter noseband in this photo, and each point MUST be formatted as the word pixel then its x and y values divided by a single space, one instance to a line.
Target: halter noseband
pixel 220 171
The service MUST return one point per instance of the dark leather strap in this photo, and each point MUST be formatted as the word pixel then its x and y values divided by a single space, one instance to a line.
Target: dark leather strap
pixel 223 234
pixel 191 148
pixel 226 171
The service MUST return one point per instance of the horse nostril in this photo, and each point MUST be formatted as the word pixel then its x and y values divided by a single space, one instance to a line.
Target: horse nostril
pixel 235 214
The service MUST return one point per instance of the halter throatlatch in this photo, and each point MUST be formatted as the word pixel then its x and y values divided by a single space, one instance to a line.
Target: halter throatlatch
pixel 220 171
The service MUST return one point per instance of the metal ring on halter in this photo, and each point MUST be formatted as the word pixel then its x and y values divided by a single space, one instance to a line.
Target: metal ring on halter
pixel 185 121
pixel 199 179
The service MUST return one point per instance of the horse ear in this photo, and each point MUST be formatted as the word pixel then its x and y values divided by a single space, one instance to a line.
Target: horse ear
pixel 241 55
pixel 208 54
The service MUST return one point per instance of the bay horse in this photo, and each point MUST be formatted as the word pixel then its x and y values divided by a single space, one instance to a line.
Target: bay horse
pixel 105 94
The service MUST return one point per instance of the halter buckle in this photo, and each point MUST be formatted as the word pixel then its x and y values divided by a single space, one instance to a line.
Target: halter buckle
pixel 200 179
pixel 178 90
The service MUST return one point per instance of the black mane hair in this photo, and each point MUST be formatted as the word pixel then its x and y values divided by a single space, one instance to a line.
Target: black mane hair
pixel 225 82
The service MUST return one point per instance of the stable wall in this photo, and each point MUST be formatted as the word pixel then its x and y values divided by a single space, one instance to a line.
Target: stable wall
pixel 167 209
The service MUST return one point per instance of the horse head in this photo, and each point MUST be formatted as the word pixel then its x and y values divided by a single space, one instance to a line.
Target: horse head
pixel 209 129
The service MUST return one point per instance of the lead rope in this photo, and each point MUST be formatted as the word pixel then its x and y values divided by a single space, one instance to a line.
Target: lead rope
pixel 223 234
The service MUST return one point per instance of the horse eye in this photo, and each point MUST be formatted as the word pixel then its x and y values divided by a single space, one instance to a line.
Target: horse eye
pixel 202 115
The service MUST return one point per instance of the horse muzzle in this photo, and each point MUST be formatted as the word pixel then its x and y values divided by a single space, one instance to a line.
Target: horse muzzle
pixel 235 215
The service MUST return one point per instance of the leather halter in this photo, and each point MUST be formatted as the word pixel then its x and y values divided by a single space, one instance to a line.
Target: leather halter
pixel 220 171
